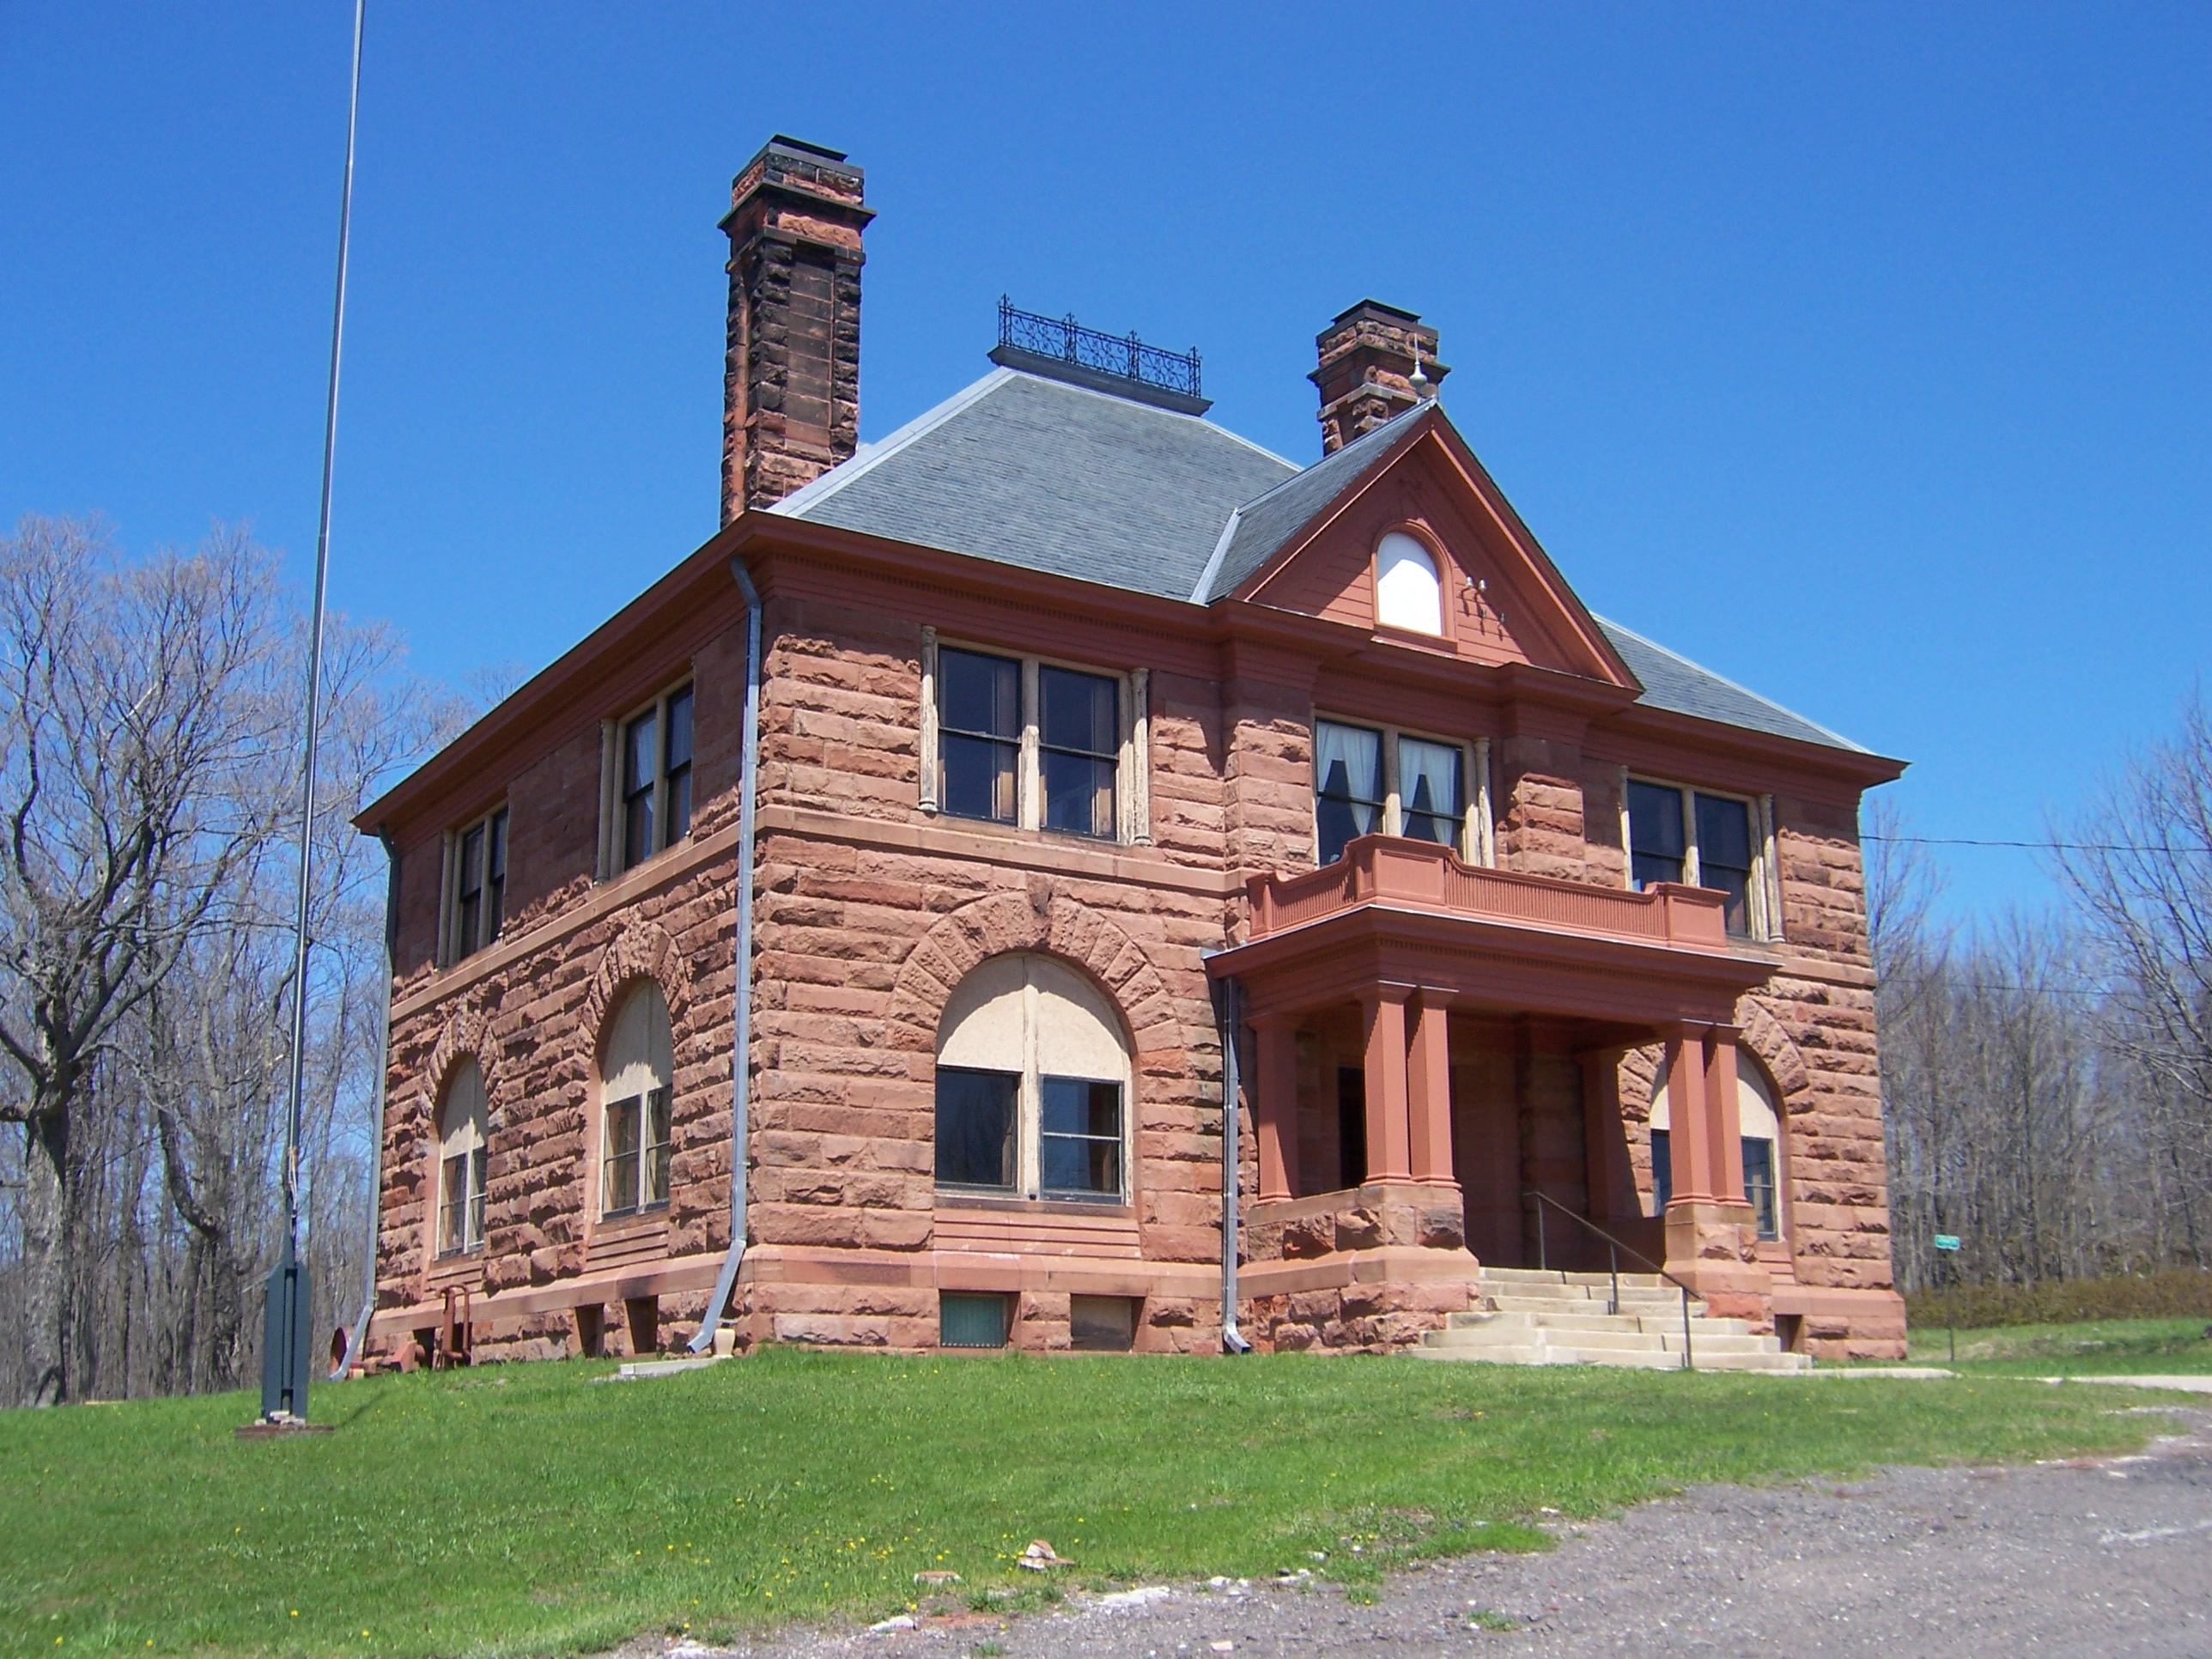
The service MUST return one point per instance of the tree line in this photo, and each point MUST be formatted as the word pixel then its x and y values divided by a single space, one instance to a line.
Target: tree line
pixel 2047 1078
pixel 151 749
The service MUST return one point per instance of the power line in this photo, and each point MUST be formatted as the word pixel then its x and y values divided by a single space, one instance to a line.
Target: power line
pixel 2037 846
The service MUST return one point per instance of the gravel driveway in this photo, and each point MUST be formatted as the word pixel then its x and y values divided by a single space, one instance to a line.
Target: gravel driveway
pixel 2093 1557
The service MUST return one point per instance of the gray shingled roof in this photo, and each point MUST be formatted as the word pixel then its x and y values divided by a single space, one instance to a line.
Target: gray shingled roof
pixel 1677 685
pixel 1032 471
pixel 1052 477
pixel 1264 526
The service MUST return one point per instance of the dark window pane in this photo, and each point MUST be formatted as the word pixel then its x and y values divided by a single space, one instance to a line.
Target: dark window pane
pixel 976 1127
pixel 638 753
pixel 469 896
pixel 476 1197
pixel 1429 795
pixel 1351 1126
pixel 971 1321
pixel 1347 786
pixel 495 876
pixel 678 766
pixel 1082 1146
pixel 1724 855
pixel 1662 1171
pixel 977 777
pixel 655 1159
pixel 1078 794
pixel 679 728
pixel 453 1207
pixel 622 1156
pixel 1077 711
pixel 1758 1185
pixel 1655 832
pixel 978 695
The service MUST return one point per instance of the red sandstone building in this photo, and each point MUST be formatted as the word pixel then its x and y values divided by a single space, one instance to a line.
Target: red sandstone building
pixel 916 836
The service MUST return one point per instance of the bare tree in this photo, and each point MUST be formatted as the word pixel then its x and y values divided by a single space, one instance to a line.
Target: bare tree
pixel 144 716
pixel 2139 867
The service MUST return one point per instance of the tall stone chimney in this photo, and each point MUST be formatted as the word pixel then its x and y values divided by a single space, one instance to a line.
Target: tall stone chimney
pixel 791 382
pixel 1365 377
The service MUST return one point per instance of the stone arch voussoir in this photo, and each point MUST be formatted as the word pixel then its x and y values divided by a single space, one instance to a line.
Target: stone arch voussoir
pixel 1000 922
pixel 641 950
pixel 1763 1035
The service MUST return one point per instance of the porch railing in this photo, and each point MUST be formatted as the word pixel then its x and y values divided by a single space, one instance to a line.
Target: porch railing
pixel 1387 870
pixel 1614 1248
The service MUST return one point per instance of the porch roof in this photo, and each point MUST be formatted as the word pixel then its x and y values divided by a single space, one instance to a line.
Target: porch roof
pixel 1409 914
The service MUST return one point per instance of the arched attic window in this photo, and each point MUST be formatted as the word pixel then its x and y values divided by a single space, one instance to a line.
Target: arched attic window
pixel 1762 1128
pixel 1032 1079
pixel 1408 592
pixel 462 1120
pixel 635 1071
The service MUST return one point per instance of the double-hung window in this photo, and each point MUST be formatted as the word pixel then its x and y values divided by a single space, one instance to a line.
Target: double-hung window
pixel 1037 745
pixel 636 1161
pixel 1033 1083
pixel 461 1162
pixel 1705 840
pixel 476 899
pixel 637 1067
pixel 651 792
pixel 1370 781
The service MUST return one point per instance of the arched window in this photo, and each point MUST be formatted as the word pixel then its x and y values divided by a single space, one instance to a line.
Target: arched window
pixel 635 1069
pixel 1761 1129
pixel 461 1124
pixel 1407 592
pixel 1032 1079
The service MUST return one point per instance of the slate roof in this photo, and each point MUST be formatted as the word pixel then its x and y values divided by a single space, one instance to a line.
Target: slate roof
pixel 1032 471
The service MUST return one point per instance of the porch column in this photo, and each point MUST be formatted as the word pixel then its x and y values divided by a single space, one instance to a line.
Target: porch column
pixel 1428 1092
pixel 1390 1149
pixel 1277 1105
pixel 1689 1124
pixel 1724 1115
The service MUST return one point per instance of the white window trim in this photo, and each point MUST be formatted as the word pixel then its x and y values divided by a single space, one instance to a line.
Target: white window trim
pixel 450 948
pixel 613 819
pixel 1763 894
pixel 1477 842
pixel 1132 792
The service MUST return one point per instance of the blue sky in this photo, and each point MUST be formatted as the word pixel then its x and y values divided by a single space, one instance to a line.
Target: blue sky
pixel 1862 354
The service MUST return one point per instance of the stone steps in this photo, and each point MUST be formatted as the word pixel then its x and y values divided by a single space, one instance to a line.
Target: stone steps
pixel 1531 1317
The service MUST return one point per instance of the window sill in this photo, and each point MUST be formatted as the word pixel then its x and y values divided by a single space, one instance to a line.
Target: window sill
pixel 640 1219
pixel 985 1198
pixel 646 862
pixel 1015 832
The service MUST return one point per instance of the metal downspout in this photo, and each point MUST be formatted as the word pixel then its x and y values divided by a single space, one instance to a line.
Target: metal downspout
pixel 359 1337
pixel 741 1043
pixel 1232 1340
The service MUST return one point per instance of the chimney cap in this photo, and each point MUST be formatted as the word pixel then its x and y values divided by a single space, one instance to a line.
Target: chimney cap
pixel 821 152
pixel 1370 306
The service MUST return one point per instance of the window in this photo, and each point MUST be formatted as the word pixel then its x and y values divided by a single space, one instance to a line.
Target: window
pixel 461 1121
pixel 1032 1079
pixel 477 902
pixel 1716 842
pixel 635 1113
pixel 1761 1127
pixel 1407 593
pixel 652 789
pixel 970 1320
pixel 1037 745
pixel 1368 782
pixel 1102 1324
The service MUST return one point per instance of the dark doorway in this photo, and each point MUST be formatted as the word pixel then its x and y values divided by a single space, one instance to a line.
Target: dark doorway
pixel 1351 1126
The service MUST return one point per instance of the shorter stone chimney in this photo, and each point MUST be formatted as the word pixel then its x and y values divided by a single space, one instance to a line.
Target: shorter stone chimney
pixel 1367 359
pixel 791 382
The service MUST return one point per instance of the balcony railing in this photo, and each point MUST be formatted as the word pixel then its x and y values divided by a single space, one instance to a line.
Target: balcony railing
pixel 1125 356
pixel 1419 875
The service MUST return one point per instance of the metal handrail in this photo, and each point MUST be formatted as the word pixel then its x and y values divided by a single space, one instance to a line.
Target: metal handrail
pixel 1614 1248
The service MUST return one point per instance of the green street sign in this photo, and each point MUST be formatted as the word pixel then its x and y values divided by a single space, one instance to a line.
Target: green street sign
pixel 1947 1241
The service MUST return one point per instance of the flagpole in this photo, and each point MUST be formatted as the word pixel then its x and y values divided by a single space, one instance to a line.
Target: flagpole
pixel 284 1370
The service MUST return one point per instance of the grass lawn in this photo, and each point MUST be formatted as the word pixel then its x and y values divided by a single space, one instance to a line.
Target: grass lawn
pixel 2155 1346
pixel 516 1509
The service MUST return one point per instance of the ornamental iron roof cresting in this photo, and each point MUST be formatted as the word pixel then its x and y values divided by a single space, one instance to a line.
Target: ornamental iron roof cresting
pixel 1126 357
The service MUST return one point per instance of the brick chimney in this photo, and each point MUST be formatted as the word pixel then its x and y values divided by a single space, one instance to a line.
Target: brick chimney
pixel 791 382
pixel 1365 377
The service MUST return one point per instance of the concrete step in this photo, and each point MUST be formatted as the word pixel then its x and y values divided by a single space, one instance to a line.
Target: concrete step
pixel 1701 1345
pixel 1621 1341
pixel 1556 1276
pixel 1654 1307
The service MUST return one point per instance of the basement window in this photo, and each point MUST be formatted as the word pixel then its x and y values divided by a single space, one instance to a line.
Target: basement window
pixel 1723 842
pixel 1102 1324
pixel 965 1320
